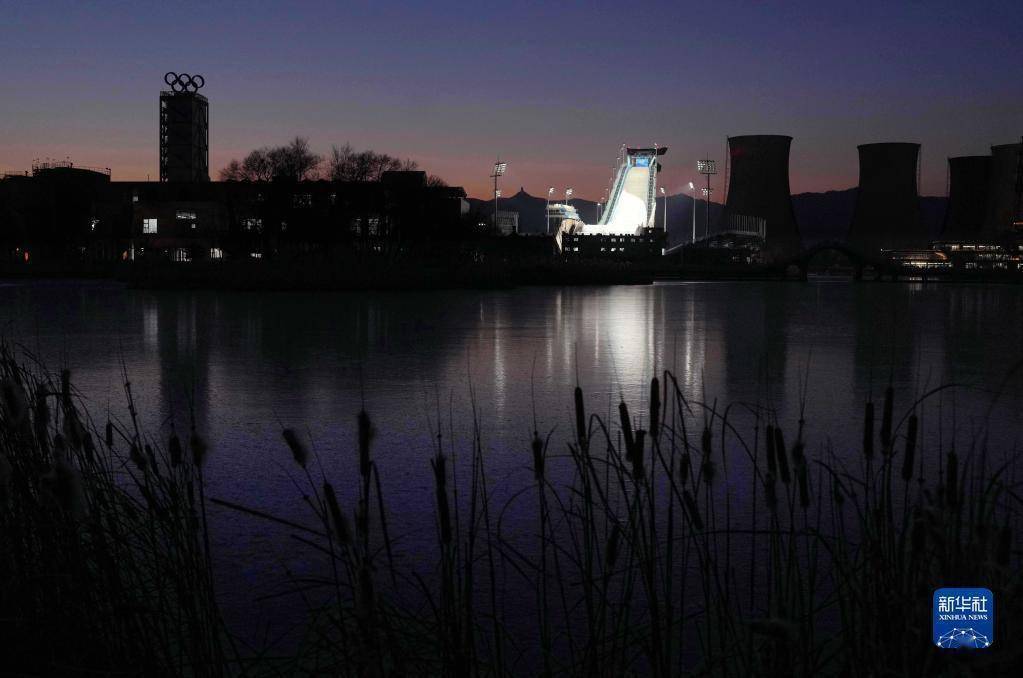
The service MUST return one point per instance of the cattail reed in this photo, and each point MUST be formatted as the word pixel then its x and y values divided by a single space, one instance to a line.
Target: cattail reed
pixel 907 458
pixel 439 464
pixel 868 430
pixel 365 436
pixel 613 546
pixel 683 468
pixel 199 449
pixel 538 456
pixel 109 438
pixel 174 447
pixel 779 453
pixel 580 417
pixel 772 464
pixel 137 457
pixel 692 510
pixel 886 421
pixel 342 532
pixel 630 442
pixel 655 407
pixel 65 388
pixel 298 448
pixel 638 469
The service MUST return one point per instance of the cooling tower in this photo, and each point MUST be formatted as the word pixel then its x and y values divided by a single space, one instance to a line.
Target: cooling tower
pixel 887 214
pixel 966 211
pixel 1003 191
pixel 758 192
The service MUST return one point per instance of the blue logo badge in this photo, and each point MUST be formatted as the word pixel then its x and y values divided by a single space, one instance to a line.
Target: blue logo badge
pixel 964 618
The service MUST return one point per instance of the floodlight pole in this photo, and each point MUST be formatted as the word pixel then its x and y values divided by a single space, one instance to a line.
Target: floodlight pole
pixel 550 192
pixel 499 168
pixel 707 167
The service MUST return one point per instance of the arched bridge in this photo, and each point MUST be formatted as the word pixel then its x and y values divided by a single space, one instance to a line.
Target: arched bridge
pixel 859 259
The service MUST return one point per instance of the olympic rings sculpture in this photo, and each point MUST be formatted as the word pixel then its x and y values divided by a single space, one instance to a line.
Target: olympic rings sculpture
pixel 184 82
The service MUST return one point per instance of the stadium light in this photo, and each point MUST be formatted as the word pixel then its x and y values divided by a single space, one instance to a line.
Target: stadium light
pixel 499 170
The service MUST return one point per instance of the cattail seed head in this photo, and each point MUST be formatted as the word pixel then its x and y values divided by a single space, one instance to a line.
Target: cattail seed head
pixel 439 464
pixel 655 407
pixel 297 447
pixel 538 456
pixel 683 468
pixel 708 470
pixel 580 418
pixel 868 430
pixel 706 441
pixel 886 421
pixel 199 449
pixel 365 436
pixel 342 532
pixel 779 452
pixel 908 457
pixel 136 457
pixel 626 422
pixel 638 470
pixel 65 387
pixel 109 438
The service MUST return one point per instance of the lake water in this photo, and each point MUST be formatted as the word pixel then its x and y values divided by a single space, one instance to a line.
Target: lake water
pixel 248 364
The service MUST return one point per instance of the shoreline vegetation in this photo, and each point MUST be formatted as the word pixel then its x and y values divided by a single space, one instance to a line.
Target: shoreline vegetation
pixel 640 564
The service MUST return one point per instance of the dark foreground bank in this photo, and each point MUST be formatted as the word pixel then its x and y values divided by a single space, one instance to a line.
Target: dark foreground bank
pixel 630 569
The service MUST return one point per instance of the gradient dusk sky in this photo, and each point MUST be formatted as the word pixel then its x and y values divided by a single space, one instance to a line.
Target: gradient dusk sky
pixel 554 88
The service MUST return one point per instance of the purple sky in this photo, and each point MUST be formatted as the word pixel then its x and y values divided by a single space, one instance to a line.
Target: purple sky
pixel 554 88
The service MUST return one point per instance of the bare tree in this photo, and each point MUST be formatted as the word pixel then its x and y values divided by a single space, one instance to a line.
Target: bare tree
pixel 296 162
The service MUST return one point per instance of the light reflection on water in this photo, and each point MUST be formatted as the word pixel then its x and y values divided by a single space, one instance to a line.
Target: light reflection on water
pixel 246 364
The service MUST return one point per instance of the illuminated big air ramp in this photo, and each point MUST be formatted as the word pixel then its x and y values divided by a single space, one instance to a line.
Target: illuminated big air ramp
pixel 632 201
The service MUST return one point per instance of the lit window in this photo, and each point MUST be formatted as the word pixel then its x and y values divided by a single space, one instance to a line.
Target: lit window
pixel 256 255
pixel 149 225
pixel 216 253
pixel 185 215
pixel 252 224
pixel 135 196
pixel 181 254
pixel 302 200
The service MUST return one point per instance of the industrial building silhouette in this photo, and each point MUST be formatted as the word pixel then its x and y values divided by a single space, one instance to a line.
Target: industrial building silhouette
pixel 1005 187
pixel 758 193
pixel 966 211
pixel 887 213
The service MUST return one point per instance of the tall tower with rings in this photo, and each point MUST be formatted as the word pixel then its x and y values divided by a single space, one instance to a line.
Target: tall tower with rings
pixel 184 129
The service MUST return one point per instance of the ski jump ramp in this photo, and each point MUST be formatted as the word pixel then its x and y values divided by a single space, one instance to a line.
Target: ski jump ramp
pixel 632 201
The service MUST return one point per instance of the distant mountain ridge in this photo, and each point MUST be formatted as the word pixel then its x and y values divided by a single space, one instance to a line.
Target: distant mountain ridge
pixel 821 216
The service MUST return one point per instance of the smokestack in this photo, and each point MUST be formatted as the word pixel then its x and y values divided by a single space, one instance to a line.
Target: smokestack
pixel 967 208
pixel 1003 196
pixel 887 214
pixel 758 189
